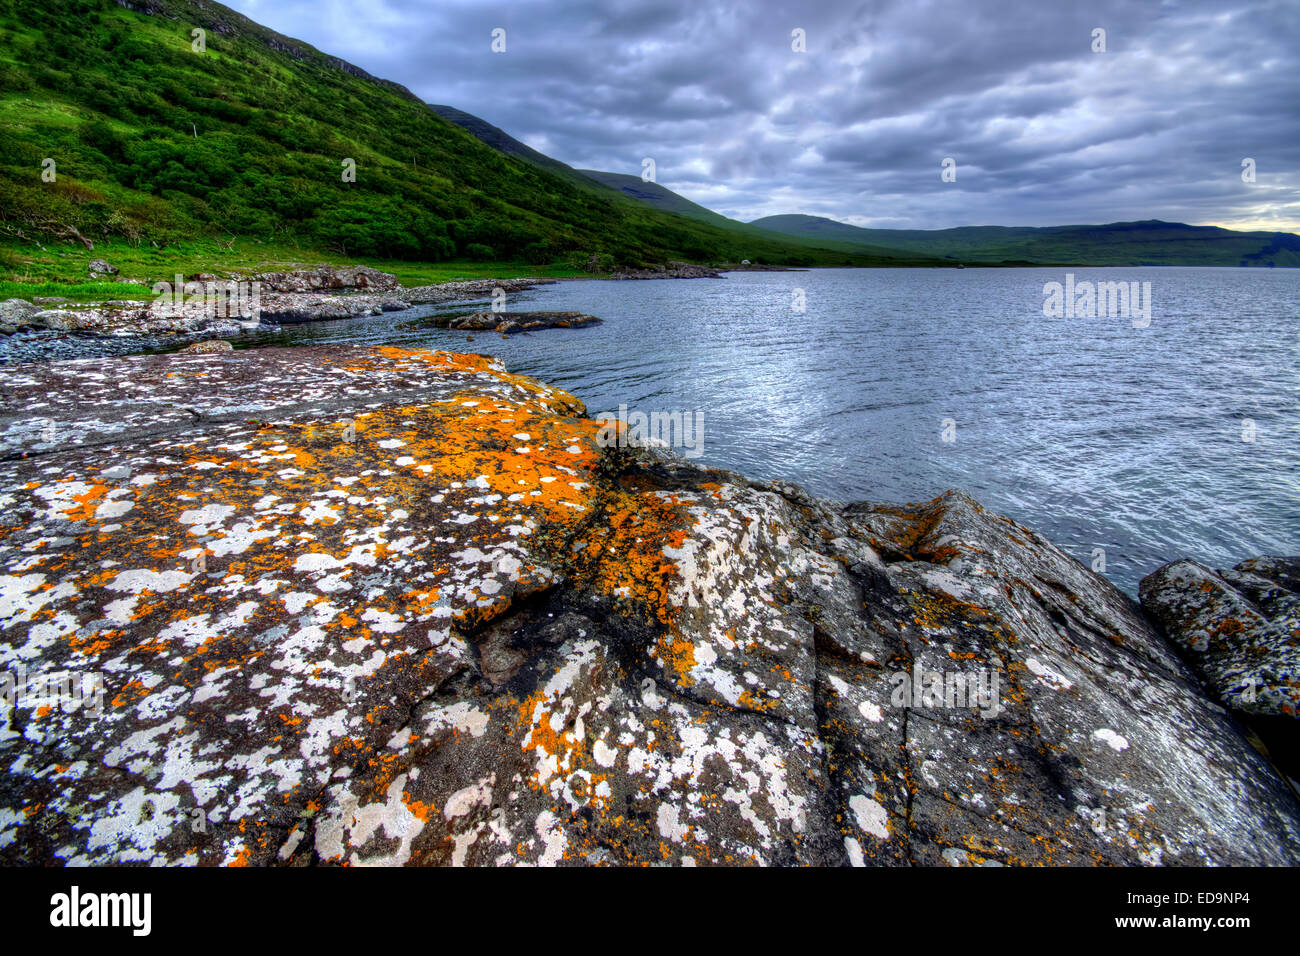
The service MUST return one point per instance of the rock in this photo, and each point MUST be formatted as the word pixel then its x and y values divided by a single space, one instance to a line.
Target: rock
pixel 307 307
pixel 16 314
pixel 674 270
pixel 211 345
pixel 513 322
pixel 221 314
pixel 99 267
pixel 468 289
pixel 327 279
pixel 1240 630
pixel 389 606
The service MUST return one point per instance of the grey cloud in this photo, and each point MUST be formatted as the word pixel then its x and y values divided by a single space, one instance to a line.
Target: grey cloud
pixel 1044 130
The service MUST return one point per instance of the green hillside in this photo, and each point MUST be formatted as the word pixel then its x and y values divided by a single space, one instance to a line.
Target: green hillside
pixel 156 144
pixel 503 142
pixel 1151 242
pixel 661 198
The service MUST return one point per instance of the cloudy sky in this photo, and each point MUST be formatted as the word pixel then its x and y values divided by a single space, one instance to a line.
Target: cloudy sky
pixel 1043 129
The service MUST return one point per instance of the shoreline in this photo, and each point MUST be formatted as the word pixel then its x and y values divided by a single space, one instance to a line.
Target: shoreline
pixel 304 295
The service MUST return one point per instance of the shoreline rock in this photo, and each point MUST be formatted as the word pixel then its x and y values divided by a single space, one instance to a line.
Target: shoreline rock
pixel 327 279
pixel 468 289
pixel 1239 629
pixel 674 270
pixel 510 323
pixel 388 606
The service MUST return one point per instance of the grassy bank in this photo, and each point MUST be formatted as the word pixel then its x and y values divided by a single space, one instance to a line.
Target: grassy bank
pixel 62 269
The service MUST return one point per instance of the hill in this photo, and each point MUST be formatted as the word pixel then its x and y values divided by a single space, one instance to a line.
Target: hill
pixel 661 198
pixel 1151 242
pixel 826 251
pixel 154 142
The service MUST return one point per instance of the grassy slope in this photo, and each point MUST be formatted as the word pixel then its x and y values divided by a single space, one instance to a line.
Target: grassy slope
pixel 1122 243
pixel 61 269
pixel 118 101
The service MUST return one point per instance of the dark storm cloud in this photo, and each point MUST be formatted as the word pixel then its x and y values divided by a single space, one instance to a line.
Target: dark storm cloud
pixel 1043 130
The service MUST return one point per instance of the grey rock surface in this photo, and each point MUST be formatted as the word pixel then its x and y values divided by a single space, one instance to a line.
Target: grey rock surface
pixel 436 622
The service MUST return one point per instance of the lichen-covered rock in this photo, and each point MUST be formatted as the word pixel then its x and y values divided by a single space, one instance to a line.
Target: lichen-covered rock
pixel 138 317
pixel 100 267
pixel 220 316
pixel 382 606
pixel 1240 628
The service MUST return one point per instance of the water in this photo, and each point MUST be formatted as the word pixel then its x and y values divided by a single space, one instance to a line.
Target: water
pixel 1092 432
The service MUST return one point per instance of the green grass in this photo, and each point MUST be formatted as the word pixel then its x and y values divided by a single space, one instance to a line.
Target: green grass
pixel 80 291
pixel 27 270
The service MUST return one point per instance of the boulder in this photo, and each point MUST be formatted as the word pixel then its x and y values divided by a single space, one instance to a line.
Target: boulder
pixel 16 314
pixel 99 267
pixel 1240 630
pixel 382 606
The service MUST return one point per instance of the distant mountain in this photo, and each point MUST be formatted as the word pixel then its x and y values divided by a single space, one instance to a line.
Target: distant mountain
pixel 1150 242
pixel 661 198
pixel 666 201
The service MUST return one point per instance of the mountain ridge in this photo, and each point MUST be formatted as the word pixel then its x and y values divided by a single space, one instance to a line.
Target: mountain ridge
pixel 1115 243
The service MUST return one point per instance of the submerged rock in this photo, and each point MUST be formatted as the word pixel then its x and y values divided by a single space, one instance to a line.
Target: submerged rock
pixel 513 322
pixel 209 345
pixel 387 606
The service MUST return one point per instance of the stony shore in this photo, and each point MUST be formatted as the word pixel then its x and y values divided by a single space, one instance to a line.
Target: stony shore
pixel 378 606
pixel 303 295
